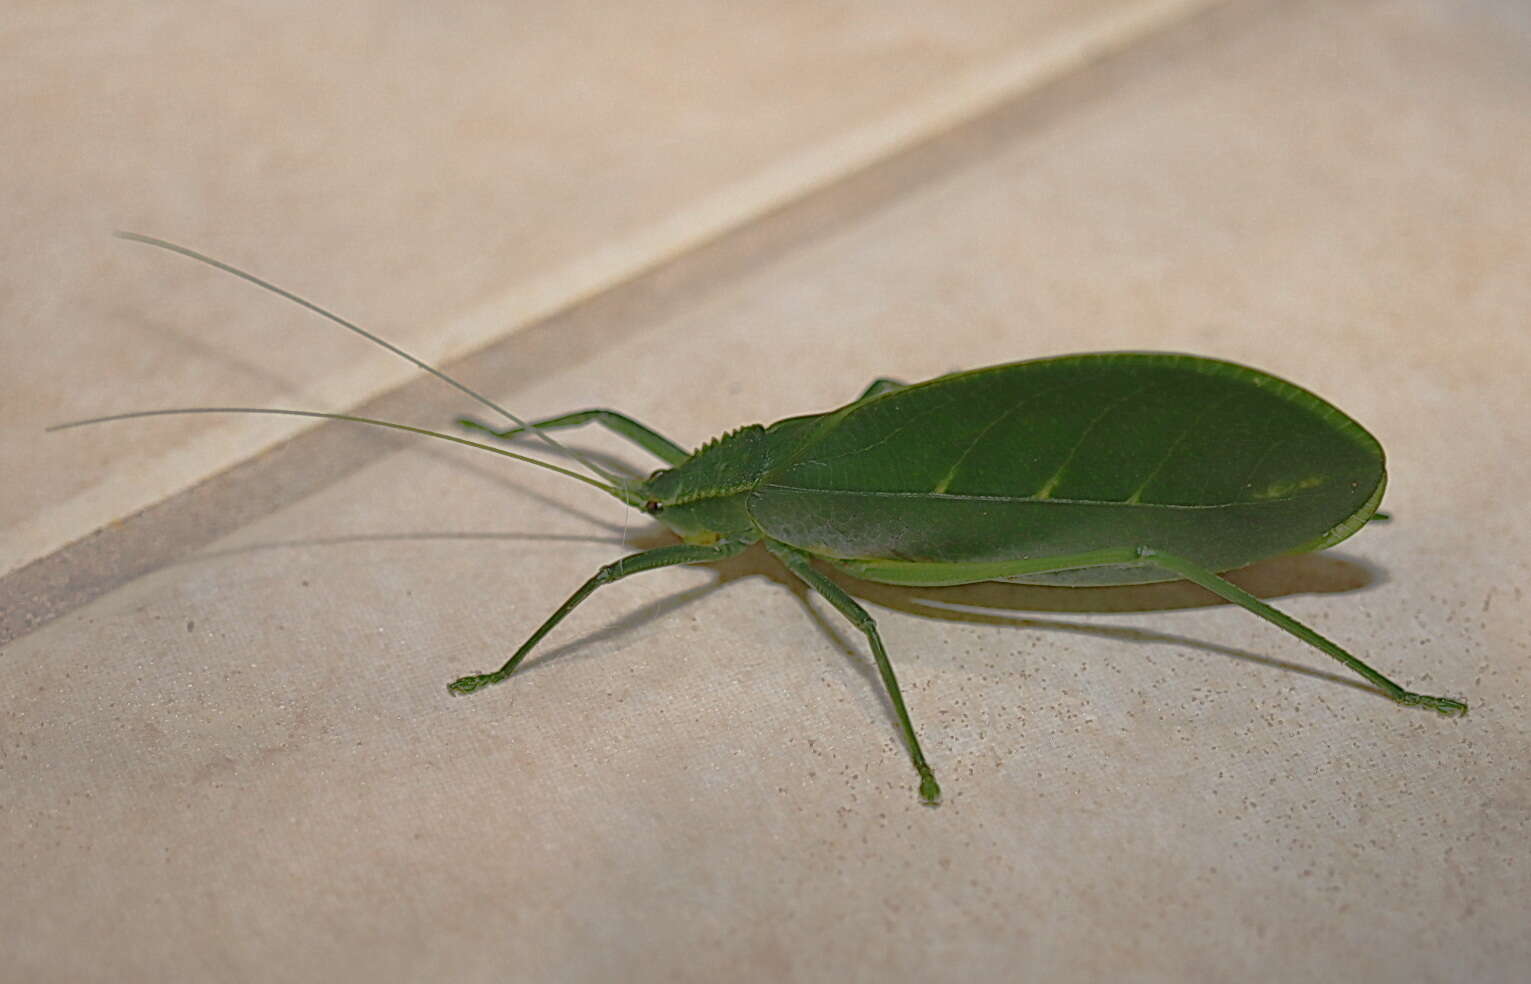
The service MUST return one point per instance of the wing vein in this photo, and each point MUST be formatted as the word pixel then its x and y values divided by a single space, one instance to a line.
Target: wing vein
pixel 1045 492
pixel 946 482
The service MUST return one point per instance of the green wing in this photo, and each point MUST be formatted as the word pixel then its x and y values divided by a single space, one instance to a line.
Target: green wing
pixel 1209 460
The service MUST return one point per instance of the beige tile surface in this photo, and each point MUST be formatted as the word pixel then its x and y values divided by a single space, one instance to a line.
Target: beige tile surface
pixel 244 762
pixel 447 173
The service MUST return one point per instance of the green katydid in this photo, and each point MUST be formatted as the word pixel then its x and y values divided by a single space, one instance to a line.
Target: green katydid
pixel 1096 469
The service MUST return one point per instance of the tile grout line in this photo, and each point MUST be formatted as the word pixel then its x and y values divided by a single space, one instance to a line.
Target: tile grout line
pixel 90 565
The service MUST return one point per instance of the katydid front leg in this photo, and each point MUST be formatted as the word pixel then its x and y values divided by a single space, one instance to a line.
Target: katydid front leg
pixel 648 560
pixel 622 425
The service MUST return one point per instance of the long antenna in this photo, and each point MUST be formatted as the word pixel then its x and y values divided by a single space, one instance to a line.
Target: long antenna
pixel 203 258
pixel 619 491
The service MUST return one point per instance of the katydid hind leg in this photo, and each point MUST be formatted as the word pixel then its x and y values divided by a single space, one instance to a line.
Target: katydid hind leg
pixel 903 572
pixel 1232 592
pixel 620 424
pixel 798 563
pixel 880 386
pixel 647 560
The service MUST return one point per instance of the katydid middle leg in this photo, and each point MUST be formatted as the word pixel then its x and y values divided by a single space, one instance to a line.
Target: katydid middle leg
pixel 797 562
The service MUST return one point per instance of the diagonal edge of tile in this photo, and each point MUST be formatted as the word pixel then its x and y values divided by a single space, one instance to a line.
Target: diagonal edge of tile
pixel 668 264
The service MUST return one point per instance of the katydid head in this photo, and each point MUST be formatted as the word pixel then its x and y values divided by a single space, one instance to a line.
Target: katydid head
pixel 703 499
pixel 705 521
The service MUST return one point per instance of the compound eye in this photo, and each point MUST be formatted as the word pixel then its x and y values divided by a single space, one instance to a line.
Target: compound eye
pixel 653 507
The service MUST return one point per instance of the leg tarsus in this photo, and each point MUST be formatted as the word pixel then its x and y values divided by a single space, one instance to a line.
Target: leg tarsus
pixel 1441 705
pixel 478 681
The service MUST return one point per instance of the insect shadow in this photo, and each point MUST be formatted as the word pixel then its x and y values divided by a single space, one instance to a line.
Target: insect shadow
pixel 613 532
pixel 989 603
